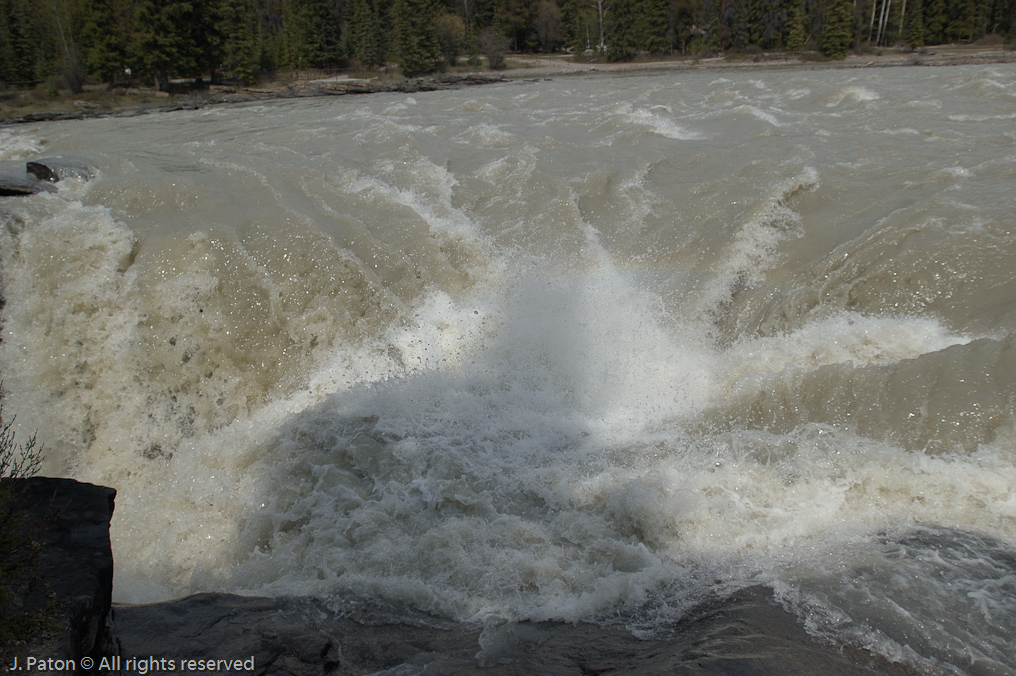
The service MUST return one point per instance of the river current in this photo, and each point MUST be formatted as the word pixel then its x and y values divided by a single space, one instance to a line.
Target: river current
pixel 583 348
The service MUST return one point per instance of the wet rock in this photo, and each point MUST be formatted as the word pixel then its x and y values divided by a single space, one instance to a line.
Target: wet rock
pixel 71 582
pixel 16 182
pixel 14 187
pixel 54 169
pixel 745 634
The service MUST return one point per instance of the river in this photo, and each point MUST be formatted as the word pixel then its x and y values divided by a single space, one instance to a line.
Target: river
pixel 572 349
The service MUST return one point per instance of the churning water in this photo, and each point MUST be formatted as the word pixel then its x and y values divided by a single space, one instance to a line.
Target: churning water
pixel 564 349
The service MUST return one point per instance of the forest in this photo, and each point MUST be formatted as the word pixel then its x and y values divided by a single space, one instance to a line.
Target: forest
pixel 68 43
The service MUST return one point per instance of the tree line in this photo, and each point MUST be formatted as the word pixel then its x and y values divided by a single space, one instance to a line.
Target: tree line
pixel 120 41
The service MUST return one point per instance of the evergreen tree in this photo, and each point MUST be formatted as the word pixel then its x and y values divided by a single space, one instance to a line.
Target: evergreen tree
pixel 240 48
pixel 913 25
pixel 740 33
pixel 6 48
pixel 363 33
pixel 107 34
pixel 205 35
pixel 163 39
pixel 515 18
pixel 621 37
pixel 836 33
pixel 797 31
pixel 936 22
pixel 683 23
pixel 321 33
pixel 484 13
pixel 971 19
pixel 1003 13
pixel 652 23
pixel 755 11
pixel 579 21
pixel 415 46
pixel 771 23
pixel 25 66
pixel 310 34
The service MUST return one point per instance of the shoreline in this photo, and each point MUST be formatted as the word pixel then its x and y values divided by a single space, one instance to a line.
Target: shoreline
pixel 133 102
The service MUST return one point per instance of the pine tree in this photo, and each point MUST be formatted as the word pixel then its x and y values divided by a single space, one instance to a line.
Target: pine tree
pixel 240 48
pixel 1003 17
pixel 415 46
pixel 106 34
pixel 514 17
pixel 913 25
pixel 755 12
pixel 936 22
pixel 970 20
pixel 621 38
pixel 740 30
pixel 797 31
pixel 311 37
pixel 205 36
pixel 322 34
pixel 363 33
pixel 652 23
pixel 163 39
pixel 25 66
pixel 6 48
pixel 836 33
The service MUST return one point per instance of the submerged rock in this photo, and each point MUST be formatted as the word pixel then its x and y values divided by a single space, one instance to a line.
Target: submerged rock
pixel 747 633
pixel 19 180
pixel 14 187
pixel 15 181
pixel 55 169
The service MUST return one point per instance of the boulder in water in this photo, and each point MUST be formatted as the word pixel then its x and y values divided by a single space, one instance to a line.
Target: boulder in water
pixel 15 181
pixel 19 180
pixel 55 169
pixel 15 187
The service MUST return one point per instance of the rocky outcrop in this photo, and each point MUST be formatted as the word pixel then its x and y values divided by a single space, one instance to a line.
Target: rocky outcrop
pixel 15 181
pixel 745 634
pixel 54 169
pixel 18 180
pixel 71 583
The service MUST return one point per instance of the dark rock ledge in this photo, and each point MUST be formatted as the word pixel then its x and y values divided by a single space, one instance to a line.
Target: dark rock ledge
pixel 747 634
pixel 72 581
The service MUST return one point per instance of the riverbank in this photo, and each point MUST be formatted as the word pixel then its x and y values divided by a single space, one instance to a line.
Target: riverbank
pixel 98 101
pixel 94 103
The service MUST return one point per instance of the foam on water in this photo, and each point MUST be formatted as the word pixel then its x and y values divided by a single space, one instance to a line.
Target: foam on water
pixel 17 146
pixel 659 122
pixel 851 94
